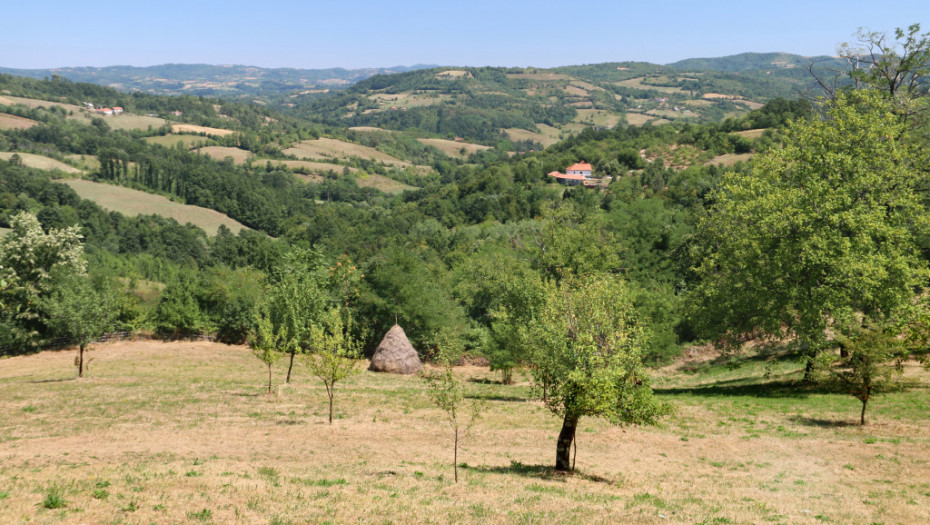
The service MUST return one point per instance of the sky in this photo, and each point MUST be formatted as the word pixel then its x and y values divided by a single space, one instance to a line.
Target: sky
pixel 365 33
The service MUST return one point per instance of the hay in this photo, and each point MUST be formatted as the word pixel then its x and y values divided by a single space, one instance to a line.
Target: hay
pixel 395 354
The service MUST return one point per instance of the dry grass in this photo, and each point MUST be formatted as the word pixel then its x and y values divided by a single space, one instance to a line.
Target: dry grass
pixel 453 148
pixel 41 162
pixel 169 141
pixel 730 159
pixel 128 122
pixel 750 133
pixel 178 432
pixel 133 202
pixel 539 75
pixel 638 119
pixel 598 117
pixel 327 148
pixel 75 112
pixel 313 167
pixel 454 73
pixel 8 121
pixel 239 156
pixel 751 105
pixel 371 129
pixel 190 128
pixel 86 162
pixel 639 83
pixel 714 96
pixel 365 180
pixel 547 135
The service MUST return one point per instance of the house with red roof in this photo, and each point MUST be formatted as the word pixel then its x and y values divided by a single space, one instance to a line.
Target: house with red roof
pixel 575 175
pixel 117 110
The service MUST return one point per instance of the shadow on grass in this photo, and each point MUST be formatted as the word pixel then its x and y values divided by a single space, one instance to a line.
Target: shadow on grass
pixel 485 381
pixel 61 380
pixel 787 388
pixel 823 423
pixel 536 471
pixel 508 399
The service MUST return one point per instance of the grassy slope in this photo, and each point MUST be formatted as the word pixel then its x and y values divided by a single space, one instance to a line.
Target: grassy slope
pixel 41 162
pixel 173 432
pixel 134 202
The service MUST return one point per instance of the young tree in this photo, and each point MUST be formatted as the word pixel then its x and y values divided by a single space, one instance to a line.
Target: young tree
pixel 816 233
pixel 334 353
pixel 447 392
pixel 28 258
pixel 589 357
pixel 80 312
pixel 265 343
pixel 871 359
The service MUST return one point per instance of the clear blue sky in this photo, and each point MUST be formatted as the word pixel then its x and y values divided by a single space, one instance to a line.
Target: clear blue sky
pixel 366 33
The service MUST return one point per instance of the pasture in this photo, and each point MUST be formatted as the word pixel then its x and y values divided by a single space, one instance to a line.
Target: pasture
pixel 41 162
pixel 184 433
pixel 171 140
pixel 312 167
pixel 453 148
pixel 364 180
pixel 85 162
pixel 190 128
pixel 8 121
pixel 729 159
pixel 547 135
pixel 74 112
pixel 238 156
pixel 130 122
pixel 134 202
pixel 642 83
pixel 327 148
pixel 751 134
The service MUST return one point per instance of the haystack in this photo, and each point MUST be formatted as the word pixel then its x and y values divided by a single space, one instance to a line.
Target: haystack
pixel 395 354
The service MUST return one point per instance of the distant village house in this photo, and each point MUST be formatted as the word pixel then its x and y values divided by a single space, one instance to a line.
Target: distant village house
pixel 575 175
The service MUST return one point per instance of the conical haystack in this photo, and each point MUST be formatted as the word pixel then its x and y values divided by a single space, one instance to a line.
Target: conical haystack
pixel 395 354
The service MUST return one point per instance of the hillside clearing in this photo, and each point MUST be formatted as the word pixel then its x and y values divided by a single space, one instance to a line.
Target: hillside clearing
pixel 130 122
pixel 41 162
pixel 133 202
pixel 74 112
pixel 453 148
pixel 190 128
pixel 166 431
pixel 729 159
pixel 547 135
pixel 169 141
pixel 371 129
pixel 88 163
pixel 8 121
pixel 238 156
pixel 327 148
pixel 640 83
pixel 750 133
pixel 365 180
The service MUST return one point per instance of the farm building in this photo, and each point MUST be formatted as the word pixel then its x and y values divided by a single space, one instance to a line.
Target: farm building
pixel 104 111
pixel 575 175
pixel 117 110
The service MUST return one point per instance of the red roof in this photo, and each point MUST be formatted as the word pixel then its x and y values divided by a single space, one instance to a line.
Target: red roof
pixel 581 166
pixel 570 177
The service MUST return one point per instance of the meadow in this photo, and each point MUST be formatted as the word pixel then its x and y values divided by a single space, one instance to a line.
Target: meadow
pixel 326 148
pixel 8 121
pixel 184 432
pixel 134 202
pixel 40 162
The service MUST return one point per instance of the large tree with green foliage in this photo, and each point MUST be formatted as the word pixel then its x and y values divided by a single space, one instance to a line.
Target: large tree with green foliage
pixel 588 357
pixel 818 233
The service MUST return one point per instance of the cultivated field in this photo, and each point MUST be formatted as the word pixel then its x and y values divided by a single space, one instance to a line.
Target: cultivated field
pixel 190 128
pixel 133 202
pixel 239 156
pixel 547 135
pixel 184 433
pixel 41 162
pixel 8 121
pixel 453 148
pixel 326 148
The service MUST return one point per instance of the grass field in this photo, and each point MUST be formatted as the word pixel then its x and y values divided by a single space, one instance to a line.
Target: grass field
pixel 184 433
pixel 129 122
pixel 453 148
pixel 190 128
pixel 8 121
pixel 547 135
pixel 75 112
pixel 730 159
pixel 370 180
pixel 85 162
pixel 598 117
pixel 326 148
pixel 750 133
pixel 239 156
pixel 169 141
pixel 41 162
pixel 638 83
pixel 133 202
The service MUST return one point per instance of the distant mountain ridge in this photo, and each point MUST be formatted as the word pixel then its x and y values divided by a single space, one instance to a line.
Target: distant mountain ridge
pixel 212 80
pixel 752 61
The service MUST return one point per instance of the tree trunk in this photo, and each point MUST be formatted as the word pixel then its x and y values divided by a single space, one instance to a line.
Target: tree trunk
pixel 330 391
pixel 289 367
pixel 455 456
pixel 563 451
pixel 507 376
pixel 269 379
pixel 81 361
pixel 862 415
